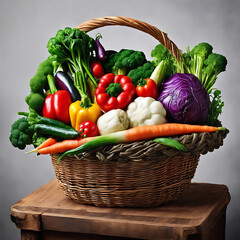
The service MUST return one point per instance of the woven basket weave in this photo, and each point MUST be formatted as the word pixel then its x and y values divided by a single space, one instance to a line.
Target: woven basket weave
pixel 138 174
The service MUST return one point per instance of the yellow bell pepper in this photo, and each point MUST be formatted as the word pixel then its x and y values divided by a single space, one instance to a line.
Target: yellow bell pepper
pixel 79 114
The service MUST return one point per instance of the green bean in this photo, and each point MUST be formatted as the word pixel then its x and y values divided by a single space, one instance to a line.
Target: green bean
pixel 171 143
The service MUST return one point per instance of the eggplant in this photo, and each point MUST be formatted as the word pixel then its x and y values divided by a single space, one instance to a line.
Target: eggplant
pixel 110 52
pixel 101 54
pixel 65 82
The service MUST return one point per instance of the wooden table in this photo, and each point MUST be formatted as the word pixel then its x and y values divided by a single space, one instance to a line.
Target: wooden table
pixel 48 214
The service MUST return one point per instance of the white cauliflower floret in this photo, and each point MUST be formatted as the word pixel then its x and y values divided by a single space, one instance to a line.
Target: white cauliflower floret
pixel 146 111
pixel 113 121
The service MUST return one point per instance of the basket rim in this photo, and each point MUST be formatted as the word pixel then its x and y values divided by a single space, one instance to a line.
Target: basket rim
pixel 196 144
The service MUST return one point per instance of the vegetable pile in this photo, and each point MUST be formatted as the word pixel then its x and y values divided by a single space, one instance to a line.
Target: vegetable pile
pixel 83 96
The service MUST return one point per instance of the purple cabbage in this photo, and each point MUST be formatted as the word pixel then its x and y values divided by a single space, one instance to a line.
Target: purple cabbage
pixel 185 99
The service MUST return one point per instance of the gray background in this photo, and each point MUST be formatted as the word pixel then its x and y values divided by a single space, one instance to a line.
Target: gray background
pixel 26 27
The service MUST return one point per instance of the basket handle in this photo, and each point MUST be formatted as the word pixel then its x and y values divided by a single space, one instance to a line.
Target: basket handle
pixel 133 23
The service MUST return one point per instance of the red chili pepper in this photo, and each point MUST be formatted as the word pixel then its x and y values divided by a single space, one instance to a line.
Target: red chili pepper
pixel 56 106
pixel 88 129
pixel 147 88
pixel 97 69
pixel 114 92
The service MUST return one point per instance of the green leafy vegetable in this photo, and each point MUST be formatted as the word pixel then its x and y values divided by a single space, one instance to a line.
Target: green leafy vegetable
pixel 76 49
pixel 165 63
pixel 216 106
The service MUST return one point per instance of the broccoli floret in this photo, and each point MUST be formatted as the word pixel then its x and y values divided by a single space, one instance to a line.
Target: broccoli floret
pixel 39 82
pixel 204 64
pixel 140 72
pixel 124 61
pixel 214 64
pixel 21 133
pixel 198 55
pixel 35 101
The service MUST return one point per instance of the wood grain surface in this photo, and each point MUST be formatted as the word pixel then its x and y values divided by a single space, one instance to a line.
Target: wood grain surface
pixel 196 213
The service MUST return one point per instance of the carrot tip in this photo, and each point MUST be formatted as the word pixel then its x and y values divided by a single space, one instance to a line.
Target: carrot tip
pixel 221 128
pixel 32 151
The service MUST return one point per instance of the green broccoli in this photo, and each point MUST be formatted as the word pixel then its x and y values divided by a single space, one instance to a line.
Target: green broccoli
pixel 198 55
pixel 214 64
pixel 76 49
pixel 35 101
pixel 21 133
pixel 122 62
pixel 140 72
pixel 204 64
pixel 39 82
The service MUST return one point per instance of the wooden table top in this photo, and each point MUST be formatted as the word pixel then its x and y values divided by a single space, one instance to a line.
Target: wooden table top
pixel 49 209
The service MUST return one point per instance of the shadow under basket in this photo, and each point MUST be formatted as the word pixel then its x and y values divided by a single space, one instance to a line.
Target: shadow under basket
pixel 138 174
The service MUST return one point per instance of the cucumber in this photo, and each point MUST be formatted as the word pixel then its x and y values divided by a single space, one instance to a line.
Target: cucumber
pixel 56 131
pixel 56 123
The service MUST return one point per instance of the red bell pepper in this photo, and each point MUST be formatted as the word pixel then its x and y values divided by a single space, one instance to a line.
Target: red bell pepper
pixel 57 103
pixel 147 88
pixel 114 92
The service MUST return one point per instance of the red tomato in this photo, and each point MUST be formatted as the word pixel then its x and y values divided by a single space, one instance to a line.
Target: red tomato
pixel 97 69
pixel 88 129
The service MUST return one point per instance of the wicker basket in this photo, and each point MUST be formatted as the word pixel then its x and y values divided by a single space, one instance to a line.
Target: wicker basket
pixel 139 174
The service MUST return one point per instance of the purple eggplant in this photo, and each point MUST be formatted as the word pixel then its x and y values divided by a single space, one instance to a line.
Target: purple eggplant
pixel 101 54
pixel 110 52
pixel 65 82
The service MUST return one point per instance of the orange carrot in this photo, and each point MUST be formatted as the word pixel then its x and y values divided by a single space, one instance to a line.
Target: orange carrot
pixel 138 134
pixel 46 143
pixel 168 129
pixel 63 146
